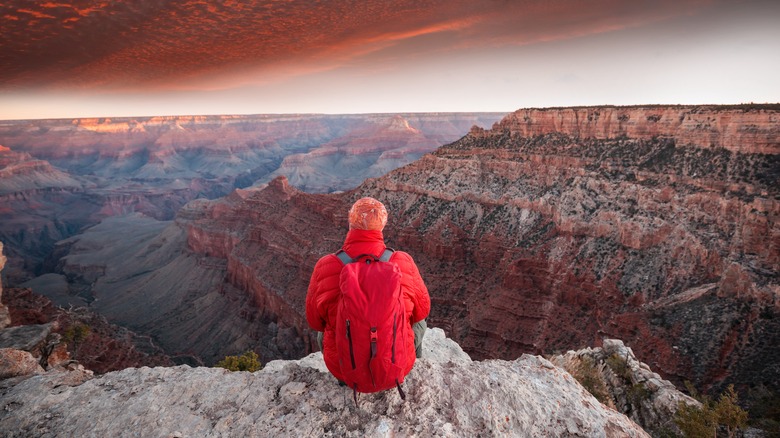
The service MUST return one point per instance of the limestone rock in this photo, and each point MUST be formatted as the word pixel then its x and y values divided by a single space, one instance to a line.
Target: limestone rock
pixel 16 363
pixel 632 386
pixel 447 396
pixel 27 337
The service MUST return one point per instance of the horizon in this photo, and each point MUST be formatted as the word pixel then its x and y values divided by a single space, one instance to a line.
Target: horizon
pixel 84 59
pixel 751 105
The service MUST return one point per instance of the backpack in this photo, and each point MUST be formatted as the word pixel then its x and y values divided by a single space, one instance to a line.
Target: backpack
pixel 371 324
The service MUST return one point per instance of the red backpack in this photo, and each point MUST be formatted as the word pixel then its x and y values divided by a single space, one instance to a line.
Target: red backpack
pixel 371 325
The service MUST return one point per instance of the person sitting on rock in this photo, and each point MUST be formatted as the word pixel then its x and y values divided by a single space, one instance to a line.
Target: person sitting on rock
pixel 367 219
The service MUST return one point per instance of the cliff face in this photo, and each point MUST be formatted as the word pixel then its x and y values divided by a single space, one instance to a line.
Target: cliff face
pixel 530 242
pixel 660 239
pixel 447 395
pixel 537 241
pixel 743 129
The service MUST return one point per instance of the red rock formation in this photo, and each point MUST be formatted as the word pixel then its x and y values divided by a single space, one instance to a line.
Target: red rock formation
pixel 553 230
pixel 271 239
pixel 105 348
pixel 558 227
pixel 747 129
pixel 58 177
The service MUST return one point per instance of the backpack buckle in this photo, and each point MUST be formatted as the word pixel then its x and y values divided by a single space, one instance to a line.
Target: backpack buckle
pixel 373 341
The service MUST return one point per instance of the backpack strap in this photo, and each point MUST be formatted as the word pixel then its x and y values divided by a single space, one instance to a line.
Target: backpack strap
pixel 346 259
pixel 400 391
pixel 385 257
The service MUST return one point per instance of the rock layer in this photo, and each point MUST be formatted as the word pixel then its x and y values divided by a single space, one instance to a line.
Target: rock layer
pixel 566 237
pixel 537 241
pixel 543 235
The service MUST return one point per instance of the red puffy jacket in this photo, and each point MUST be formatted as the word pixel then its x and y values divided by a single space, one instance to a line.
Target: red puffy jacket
pixel 323 293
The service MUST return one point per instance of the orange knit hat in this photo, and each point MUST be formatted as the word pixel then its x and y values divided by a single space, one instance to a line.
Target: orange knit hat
pixel 367 214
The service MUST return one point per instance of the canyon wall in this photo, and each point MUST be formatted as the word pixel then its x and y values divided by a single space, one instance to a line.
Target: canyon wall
pixel 541 240
pixel 551 231
pixel 744 128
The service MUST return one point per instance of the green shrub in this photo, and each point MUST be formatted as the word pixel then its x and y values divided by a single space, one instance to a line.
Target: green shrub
pixel 587 373
pixel 728 412
pixel 246 362
pixel 619 366
pixel 76 333
pixel 703 421
pixel 696 422
pixel 638 393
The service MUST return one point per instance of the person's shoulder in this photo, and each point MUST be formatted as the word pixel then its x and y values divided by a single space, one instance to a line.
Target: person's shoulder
pixel 327 260
pixel 402 257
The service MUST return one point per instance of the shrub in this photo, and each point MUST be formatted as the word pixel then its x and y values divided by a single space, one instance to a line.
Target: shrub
pixel 76 333
pixel 246 362
pixel 586 371
pixel 728 412
pixel 619 366
pixel 704 421
pixel 695 421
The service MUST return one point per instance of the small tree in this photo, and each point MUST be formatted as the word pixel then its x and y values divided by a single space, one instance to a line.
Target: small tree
pixel 703 421
pixel 695 421
pixel 728 412
pixel 246 362
pixel 75 334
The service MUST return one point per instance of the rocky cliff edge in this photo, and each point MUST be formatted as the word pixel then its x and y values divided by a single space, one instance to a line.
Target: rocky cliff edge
pixel 447 395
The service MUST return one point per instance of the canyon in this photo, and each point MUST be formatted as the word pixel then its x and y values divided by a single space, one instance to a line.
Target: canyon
pixel 552 230
pixel 58 177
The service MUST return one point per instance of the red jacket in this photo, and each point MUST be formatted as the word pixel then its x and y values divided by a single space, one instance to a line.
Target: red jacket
pixel 323 294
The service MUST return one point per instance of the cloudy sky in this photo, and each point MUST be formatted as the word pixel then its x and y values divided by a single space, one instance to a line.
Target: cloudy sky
pixel 175 57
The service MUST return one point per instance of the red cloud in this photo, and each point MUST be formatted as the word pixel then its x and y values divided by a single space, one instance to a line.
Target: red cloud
pixel 145 44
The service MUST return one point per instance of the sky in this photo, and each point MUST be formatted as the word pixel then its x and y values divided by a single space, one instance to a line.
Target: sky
pixel 110 58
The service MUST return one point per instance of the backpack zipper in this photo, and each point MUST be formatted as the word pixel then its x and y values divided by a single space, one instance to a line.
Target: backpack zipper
pixel 351 351
pixel 373 336
pixel 392 352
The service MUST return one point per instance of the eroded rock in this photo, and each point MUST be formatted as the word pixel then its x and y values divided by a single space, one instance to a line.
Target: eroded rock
pixel 447 395
pixel 16 363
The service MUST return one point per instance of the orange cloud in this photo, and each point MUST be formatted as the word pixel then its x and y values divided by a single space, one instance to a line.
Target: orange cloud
pixel 35 14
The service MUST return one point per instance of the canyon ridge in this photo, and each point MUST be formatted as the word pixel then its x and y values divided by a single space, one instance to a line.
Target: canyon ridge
pixel 553 230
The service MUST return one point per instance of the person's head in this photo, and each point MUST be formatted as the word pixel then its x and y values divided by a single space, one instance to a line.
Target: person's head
pixel 367 214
